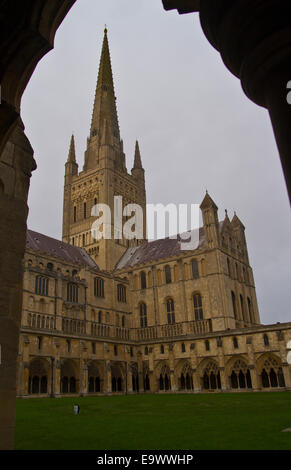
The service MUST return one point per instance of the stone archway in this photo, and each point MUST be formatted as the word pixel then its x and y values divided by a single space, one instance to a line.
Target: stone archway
pixel 270 371
pixel 69 377
pixel 39 377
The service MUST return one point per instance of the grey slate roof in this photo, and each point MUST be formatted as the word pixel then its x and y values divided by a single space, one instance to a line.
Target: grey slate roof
pixel 43 244
pixel 152 251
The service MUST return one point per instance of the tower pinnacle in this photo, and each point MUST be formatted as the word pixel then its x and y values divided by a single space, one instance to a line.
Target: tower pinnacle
pixel 137 157
pixel 72 151
pixel 104 115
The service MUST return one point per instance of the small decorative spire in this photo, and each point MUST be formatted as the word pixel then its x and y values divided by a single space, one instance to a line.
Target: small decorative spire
pixel 72 151
pixel 137 157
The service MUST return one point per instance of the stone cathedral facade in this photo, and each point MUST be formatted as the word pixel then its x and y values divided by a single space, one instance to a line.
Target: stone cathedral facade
pixel 120 316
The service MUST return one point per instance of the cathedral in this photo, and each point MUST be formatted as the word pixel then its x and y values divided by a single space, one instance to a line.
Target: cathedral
pixel 131 316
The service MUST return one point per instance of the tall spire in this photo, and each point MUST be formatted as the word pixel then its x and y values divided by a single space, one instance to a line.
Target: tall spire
pixel 137 157
pixel 72 151
pixel 105 101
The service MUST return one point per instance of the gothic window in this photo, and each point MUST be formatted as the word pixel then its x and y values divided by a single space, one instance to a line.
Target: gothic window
pixel 183 348
pixel 168 274
pixel 171 311
pixel 235 343
pixel 41 285
pixel 242 306
pixel 115 350
pixel 123 322
pixel 211 377
pixel 272 374
pixel 39 342
pixel 85 210
pixel 234 305
pixel 72 293
pixel 207 345
pixel 75 214
pixel 50 266
pixel 165 381
pixel 100 317
pixel 68 346
pixel 93 348
pixel 195 272
pixel 146 351
pixel 266 340
pixel 143 315
pixel 143 280
pixel 121 293
pixel 198 310
pixel 162 349
pixel 98 287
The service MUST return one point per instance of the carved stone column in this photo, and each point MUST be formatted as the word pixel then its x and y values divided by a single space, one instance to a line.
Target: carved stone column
pixel 16 165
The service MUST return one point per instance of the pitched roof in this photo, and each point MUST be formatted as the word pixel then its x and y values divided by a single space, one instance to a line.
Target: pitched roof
pixel 155 250
pixel 42 243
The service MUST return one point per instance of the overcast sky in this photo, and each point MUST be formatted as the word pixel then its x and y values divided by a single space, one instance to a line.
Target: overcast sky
pixel 196 128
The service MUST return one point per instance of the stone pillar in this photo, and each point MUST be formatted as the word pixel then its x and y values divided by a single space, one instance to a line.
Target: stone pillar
pixel 57 378
pixel 287 371
pixel 255 378
pixel 84 379
pixel 196 381
pixel 223 379
pixel 16 165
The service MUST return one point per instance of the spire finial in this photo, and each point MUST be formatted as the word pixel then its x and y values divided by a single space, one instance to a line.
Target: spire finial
pixel 72 151
pixel 105 30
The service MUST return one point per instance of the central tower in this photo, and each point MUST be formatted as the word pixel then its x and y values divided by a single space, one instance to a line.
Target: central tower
pixel 103 177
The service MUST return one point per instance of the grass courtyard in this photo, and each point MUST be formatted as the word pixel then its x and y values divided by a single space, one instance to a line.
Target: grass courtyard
pixel 208 421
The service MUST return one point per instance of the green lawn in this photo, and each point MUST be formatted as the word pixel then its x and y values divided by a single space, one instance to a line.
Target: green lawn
pixel 208 421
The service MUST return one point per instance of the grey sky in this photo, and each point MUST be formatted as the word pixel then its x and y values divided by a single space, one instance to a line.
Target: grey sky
pixel 196 128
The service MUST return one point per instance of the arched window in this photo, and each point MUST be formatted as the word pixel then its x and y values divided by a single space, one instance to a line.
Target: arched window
pixel 98 287
pixel 41 285
pixel 242 306
pixel 171 311
pixel 121 293
pixel 143 280
pixel 75 214
pixel 266 340
pixel 146 351
pixel 50 266
pixel 162 349
pixel 198 309
pixel 183 348
pixel 143 315
pixel 211 377
pixel 207 345
pixel 72 293
pixel 195 271
pixel 168 274
pixel 235 343
pixel 85 210
pixel 115 350
pixel 123 322
pixel 39 342
pixel 233 304
pixel 100 317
